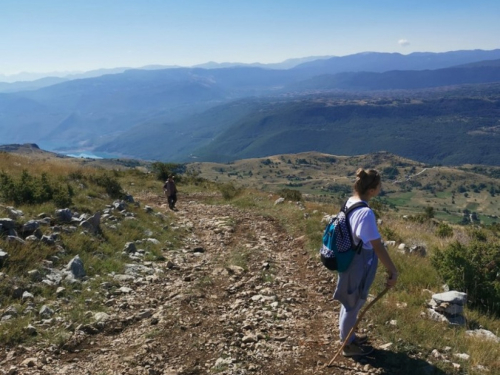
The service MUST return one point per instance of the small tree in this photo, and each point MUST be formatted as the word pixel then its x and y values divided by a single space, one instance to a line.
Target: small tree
pixel 429 212
pixel 474 269
pixel 290 194
pixel 163 170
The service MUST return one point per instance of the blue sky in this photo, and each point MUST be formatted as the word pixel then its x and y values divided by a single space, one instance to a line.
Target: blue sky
pixel 81 35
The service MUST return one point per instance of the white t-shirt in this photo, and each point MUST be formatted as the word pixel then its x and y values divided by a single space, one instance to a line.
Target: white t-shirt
pixel 363 224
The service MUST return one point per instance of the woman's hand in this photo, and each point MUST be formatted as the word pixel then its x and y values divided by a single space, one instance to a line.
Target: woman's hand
pixel 386 260
pixel 392 279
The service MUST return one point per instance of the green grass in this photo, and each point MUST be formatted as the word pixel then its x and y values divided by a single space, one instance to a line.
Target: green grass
pixel 401 199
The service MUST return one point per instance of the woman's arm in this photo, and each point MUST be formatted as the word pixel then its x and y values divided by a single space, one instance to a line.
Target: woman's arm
pixel 386 260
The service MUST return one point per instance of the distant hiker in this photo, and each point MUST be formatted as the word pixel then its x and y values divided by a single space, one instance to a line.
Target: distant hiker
pixel 170 191
pixel 353 284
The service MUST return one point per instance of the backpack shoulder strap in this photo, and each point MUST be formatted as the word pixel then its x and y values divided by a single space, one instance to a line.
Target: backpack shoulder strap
pixel 354 207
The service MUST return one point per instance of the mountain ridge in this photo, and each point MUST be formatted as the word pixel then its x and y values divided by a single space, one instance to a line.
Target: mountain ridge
pixel 95 112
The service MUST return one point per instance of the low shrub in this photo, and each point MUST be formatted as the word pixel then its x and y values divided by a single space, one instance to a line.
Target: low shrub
pixel 474 269
pixel 110 184
pixel 444 230
pixel 29 189
pixel 228 190
pixel 163 170
pixel 290 194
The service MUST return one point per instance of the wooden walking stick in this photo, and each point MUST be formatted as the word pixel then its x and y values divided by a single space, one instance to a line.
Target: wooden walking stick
pixel 361 314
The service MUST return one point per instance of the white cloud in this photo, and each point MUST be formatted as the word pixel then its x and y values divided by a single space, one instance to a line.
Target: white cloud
pixel 403 42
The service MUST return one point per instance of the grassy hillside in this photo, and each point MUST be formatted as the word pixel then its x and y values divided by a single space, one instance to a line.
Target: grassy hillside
pixel 408 186
pixel 325 180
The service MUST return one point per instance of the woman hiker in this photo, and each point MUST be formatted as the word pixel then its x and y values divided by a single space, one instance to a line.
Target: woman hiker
pixel 171 192
pixel 353 284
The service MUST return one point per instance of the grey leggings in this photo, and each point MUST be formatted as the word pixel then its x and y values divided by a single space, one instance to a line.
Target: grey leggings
pixel 347 319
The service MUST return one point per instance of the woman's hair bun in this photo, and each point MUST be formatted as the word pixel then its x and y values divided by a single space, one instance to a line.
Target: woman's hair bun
pixel 365 180
pixel 361 173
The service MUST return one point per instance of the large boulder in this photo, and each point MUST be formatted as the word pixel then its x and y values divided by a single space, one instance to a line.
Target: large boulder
pixel 3 257
pixel 7 224
pixel 454 297
pixel 30 226
pixel 75 266
pixel 64 215
pixel 448 307
pixel 13 213
pixel 92 224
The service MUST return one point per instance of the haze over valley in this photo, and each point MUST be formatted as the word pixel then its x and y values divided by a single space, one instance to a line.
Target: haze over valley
pixel 367 102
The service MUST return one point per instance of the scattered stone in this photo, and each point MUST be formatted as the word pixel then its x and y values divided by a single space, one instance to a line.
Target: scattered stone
pixel 7 224
pixel 418 250
pixel 27 296
pixel 30 330
pixel 448 307
pixel 92 224
pixel 249 338
pixel 29 362
pixel 46 312
pixel 101 317
pixel 75 266
pixel 30 226
pixel 3 257
pixel 458 298
pixel 386 346
pixel 462 356
pixel 483 334
pixel 153 241
pixel 64 215
pixel 130 247
pixel 279 201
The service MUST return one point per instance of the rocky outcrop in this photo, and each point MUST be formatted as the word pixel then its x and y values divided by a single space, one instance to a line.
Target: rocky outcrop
pixel 448 307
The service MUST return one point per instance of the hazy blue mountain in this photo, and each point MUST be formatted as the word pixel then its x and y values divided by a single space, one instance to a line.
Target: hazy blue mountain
pixel 450 126
pixel 30 85
pixel 25 76
pixel 402 79
pixel 439 130
pixel 167 102
pixel 479 64
pixel 287 64
pixel 383 62
pixel 161 139
pixel 75 110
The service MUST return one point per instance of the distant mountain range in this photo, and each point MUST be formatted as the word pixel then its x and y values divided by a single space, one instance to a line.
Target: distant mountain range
pixel 383 62
pixel 33 81
pixel 225 113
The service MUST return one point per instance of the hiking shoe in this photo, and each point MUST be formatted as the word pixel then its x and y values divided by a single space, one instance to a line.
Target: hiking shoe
pixel 353 350
pixel 360 339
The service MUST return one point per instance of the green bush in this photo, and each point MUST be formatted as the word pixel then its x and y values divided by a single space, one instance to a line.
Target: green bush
pixel 474 269
pixel 163 170
pixel 389 234
pixel 62 196
pixel 228 190
pixel 110 184
pixel 30 189
pixel 290 194
pixel 444 230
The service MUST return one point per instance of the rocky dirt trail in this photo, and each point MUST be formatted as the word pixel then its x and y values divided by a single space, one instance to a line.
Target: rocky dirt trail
pixel 240 297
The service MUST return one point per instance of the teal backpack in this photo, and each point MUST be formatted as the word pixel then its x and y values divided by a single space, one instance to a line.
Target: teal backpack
pixel 338 249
